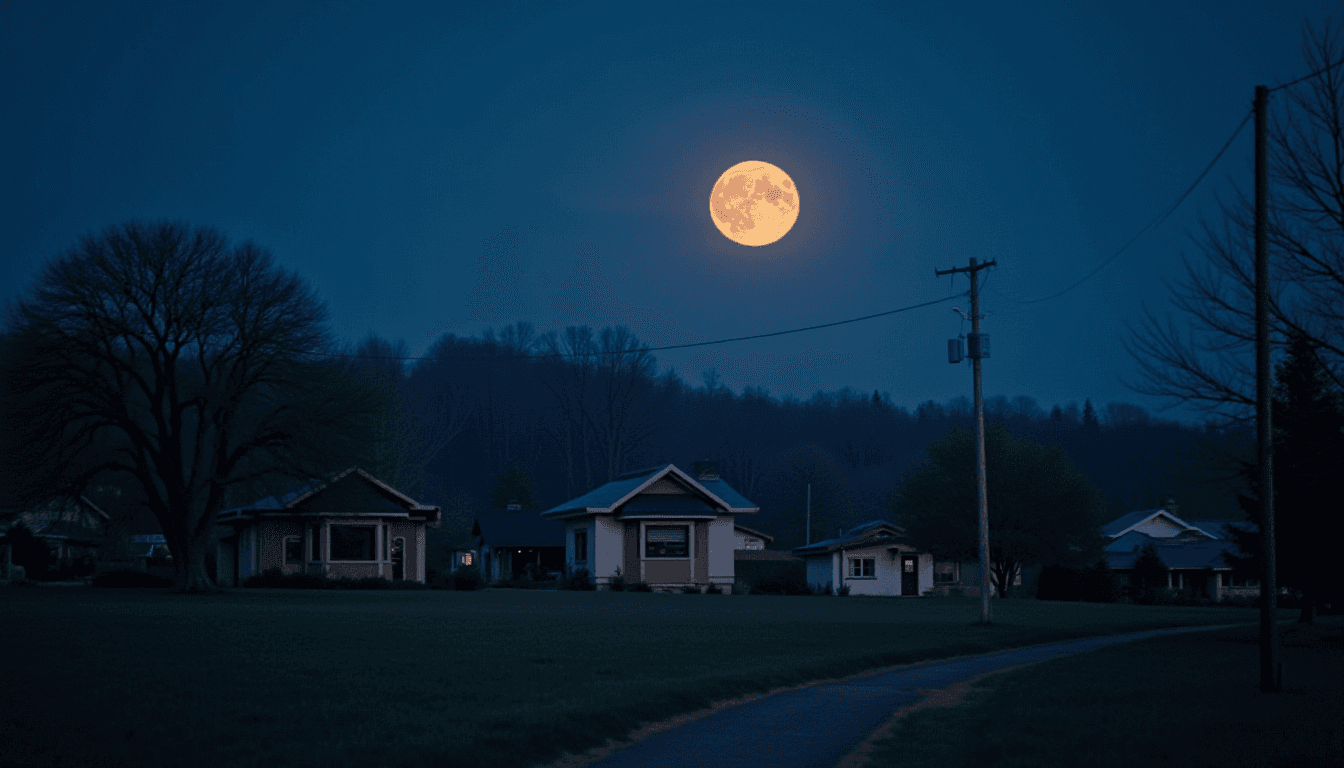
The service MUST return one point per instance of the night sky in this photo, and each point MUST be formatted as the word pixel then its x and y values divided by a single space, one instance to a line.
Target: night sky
pixel 452 167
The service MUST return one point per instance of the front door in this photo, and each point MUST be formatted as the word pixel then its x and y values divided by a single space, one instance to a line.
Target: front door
pixel 398 559
pixel 909 575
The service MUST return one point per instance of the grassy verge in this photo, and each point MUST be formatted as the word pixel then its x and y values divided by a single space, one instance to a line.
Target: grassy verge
pixel 1184 700
pixel 500 677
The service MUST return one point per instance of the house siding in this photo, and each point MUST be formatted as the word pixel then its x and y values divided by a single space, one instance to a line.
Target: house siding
pixel 608 546
pixel 701 552
pixel 630 559
pixel 722 544
pixel 819 575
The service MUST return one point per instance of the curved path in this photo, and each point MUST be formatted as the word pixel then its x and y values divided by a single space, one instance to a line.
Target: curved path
pixel 820 724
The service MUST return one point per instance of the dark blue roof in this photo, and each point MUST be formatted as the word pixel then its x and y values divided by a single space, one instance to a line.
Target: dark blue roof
pixel 869 530
pixel 1124 521
pixel 608 495
pixel 508 528
pixel 1182 553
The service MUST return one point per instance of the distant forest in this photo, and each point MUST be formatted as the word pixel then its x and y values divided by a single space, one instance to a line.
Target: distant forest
pixel 575 408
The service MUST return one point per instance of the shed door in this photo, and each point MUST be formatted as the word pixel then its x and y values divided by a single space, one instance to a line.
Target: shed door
pixel 909 575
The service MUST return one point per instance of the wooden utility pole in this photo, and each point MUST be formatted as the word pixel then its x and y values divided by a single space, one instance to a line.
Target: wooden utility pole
pixel 977 349
pixel 1270 678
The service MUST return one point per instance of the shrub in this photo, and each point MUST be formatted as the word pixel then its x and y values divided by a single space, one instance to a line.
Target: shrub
pixel 138 579
pixel 28 551
pixel 714 589
pixel 467 578
pixel 690 589
pixel 617 582
pixel 638 586
pixel 741 587
pixel 843 590
pixel 578 580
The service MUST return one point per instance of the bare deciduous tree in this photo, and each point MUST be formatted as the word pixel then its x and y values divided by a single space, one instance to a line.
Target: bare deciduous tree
pixel 163 353
pixel 1210 364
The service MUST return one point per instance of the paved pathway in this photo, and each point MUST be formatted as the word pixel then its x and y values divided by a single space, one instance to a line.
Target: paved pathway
pixel 820 724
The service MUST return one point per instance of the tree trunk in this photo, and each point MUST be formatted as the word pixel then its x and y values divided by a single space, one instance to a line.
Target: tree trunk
pixel 190 575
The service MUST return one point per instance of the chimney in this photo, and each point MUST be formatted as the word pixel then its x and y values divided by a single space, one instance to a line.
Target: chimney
pixel 706 470
pixel 1171 506
pixel 514 506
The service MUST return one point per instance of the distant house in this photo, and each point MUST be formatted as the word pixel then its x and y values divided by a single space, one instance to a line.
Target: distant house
pixel 510 540
pixel 353 525
pixel 748 538
pixel 660 526
pixel 1192 550
pixel 870 559
pixel 74 529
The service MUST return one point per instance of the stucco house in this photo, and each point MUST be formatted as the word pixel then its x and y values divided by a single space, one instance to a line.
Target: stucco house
pixel 509 540
pixel 660 526
pixel 870 559
pixel 1191 549
pixel 353 525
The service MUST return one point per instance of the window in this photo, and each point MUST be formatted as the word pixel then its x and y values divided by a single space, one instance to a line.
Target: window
pixel 351 542
pixel 466 558
pixel 667 541
pixel 293 550
pixel 863 567
pixel 945 573
pixel 580 546
pixel 317 544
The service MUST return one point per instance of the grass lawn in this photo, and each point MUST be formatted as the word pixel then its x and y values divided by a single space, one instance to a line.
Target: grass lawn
pixel 1184 700
pixel 494 678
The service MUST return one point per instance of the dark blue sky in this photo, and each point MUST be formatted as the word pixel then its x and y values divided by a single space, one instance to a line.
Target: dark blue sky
pixel 435 169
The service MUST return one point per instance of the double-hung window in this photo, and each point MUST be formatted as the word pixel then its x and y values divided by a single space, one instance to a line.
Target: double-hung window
pixel 862 567
pixel 580 546
pixel 352 542
pixel 944 573
pixel 293 550
pixel 667 541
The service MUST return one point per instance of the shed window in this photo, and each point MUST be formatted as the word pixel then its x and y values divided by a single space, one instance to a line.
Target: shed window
pixel 351 542
pixel 862 567
pixel 667 541
pixel 580 546
pixel 944 573
pixel 293 550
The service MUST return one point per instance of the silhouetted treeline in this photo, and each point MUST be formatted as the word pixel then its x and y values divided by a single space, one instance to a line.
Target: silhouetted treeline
pixel 576 408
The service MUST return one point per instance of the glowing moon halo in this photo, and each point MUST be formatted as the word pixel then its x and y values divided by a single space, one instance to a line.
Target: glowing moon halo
pixel 754 203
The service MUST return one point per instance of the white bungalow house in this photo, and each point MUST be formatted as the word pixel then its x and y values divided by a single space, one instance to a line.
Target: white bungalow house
pixel 748 538
pixel 870 560
pixel 1192 550
pixel 659 526
pixel 354 526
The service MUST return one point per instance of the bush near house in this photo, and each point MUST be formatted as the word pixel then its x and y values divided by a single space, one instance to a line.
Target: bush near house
pixel 773 577
pixel 578 580
pixel 273 578
pixel 1098 584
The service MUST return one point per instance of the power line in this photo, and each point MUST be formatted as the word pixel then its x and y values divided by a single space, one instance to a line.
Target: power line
pixel 656 349
pixel 1305 78
pixel 1156 222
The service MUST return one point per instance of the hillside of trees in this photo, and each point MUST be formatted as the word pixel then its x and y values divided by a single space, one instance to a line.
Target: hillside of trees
pixel 576 408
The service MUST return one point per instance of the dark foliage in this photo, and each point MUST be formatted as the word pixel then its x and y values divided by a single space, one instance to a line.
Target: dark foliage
pixel 1097 584
pixel 515 486
pixel 617 582
pixel 28 551
pixel 466 578
pixel 714 589
pixel 274 578
pixel 578 580
pixel 773 577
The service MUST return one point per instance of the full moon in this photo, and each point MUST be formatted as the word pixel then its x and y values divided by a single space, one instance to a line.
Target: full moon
pixel 754 203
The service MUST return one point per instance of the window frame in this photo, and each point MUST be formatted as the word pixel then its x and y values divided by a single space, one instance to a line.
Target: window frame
pixel 580 538
pixel 373 542
pixel 864 564
pixel 284 550
pixel 955 573
pixel 644 538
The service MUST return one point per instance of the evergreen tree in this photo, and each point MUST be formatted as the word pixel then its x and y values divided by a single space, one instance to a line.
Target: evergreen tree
pixel 1308 418
pixel 1090 421
pixel 515 486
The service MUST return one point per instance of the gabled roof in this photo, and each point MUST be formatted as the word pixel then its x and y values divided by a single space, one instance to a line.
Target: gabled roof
pixel 753 532
pixel 875 532
pixel 1189 553
pixel 291 500
pixel 506 528
pixel 1217 528
pixel 1126 523
pixel 607 498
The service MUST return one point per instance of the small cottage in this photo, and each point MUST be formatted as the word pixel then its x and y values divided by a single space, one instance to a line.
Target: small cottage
pixel 660 526
pixel 353 525
pixel 510 540
pixel 870 560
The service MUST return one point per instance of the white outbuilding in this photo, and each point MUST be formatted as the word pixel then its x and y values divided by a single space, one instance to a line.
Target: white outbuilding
pixel 869 559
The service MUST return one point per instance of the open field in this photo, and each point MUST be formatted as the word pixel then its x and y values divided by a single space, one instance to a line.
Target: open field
pixel 500 677
pixel 1183 700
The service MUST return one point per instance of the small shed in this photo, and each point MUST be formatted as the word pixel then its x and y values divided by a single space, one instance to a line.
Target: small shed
pixel 510 540
pixel 871 560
